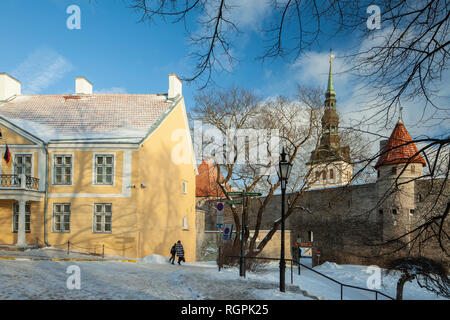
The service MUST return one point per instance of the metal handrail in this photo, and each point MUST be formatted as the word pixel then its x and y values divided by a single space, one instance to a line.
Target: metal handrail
pixel 323 275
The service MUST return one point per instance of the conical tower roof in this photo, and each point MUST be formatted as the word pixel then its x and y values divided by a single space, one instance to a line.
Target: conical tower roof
pixel 399 149
pixel 206 185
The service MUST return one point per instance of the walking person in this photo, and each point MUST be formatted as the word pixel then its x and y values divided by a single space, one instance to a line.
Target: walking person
pixel 180 252
pixel 173 251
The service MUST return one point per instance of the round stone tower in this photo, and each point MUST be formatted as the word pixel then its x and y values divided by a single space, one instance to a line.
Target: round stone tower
pixel 398 166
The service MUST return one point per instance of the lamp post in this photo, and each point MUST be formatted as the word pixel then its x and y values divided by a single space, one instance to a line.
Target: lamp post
pixel 284 169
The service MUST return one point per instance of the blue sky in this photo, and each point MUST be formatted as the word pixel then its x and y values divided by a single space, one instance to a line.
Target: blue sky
pixel 116 52
pixel 119 54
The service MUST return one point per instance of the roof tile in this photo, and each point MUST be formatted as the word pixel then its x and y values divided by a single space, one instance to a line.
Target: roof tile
pixel 399 148
pixel 74 116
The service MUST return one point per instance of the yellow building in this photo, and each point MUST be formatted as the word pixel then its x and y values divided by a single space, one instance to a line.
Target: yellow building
pixel 112 171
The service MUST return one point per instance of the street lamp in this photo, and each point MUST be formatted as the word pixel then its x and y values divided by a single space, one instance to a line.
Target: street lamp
pixel 283 170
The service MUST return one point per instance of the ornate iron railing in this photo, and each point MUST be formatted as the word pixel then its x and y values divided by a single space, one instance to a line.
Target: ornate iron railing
pixel 15 181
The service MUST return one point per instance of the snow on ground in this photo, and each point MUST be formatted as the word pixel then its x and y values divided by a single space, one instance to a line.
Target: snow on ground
pixel 53 253
pixel 153 277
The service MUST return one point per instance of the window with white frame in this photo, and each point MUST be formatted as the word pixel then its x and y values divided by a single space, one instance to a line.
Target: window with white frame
pixel 23 164
pixel 61 217
pixel 185 223
pixel 185 187
pixel 16 217
pixel 102 217
pixel 62 169
pixel 104 169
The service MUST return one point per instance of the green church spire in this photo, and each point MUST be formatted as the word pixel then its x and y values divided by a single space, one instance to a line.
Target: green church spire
pixel 330 95
pixel 329 148
pixel 330 88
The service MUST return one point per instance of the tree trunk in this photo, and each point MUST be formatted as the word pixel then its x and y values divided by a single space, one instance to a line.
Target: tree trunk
pixel 401 283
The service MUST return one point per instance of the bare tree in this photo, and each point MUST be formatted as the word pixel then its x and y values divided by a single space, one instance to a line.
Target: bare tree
pixel 405 59
pixel 429 274
pixel 297 123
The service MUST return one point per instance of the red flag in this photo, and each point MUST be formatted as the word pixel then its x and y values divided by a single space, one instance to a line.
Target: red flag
pixel 7 157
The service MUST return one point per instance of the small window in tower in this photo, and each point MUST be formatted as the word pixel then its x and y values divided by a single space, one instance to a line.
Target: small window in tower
pixel 380 211
pixel 394 211
pixel 394 170
pixel 419 197
pixel 317 175
pixel 378 173
pixel 1 134
pixel 413 169
pixel 411 212
pixel 324 175
pixel 185 223
pixel 331 174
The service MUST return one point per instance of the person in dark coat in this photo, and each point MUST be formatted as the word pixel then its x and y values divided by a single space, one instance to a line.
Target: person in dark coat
pixel 180 252
pixel 173 251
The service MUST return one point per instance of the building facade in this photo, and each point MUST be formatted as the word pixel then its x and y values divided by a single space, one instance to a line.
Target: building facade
pixel 112 171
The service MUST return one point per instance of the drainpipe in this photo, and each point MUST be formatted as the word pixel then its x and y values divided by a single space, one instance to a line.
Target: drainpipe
pixel 46 194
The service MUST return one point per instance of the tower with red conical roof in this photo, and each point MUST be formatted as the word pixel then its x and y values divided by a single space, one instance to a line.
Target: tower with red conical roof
pixel 206 181
pixel 398 165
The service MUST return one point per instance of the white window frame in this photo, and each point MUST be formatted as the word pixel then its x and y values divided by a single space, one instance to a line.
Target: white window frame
pixel 103 214
pixel 62 213
pixel 184 187
pixel 14 155
pixel 65 154
pixel 94 168
pixel 16 205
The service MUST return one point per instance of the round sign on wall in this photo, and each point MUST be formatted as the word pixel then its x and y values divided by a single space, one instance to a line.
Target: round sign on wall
pixel 220 206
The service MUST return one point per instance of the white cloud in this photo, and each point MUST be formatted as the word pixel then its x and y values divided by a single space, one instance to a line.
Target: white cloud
pixel 41 69
pixel 249 13
pixel 312 68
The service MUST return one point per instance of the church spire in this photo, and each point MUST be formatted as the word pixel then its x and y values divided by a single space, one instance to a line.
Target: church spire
pixel 330 95
pixel 330 89
pixel 330 162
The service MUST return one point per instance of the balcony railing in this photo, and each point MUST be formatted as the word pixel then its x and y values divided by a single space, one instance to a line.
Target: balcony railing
pixel 15 181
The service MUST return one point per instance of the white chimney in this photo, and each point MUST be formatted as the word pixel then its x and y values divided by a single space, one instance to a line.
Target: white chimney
pixel 82 86
pixel 175 86
pixel 8 87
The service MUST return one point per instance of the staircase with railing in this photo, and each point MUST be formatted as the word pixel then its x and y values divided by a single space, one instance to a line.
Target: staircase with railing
pixel 377 293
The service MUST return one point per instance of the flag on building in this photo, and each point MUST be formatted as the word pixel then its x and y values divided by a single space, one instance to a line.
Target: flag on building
pixel 7 157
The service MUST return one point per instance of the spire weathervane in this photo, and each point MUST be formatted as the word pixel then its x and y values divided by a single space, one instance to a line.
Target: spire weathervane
pixel 332 56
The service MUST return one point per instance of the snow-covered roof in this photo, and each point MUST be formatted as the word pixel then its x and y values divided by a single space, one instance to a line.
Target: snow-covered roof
pixel 127 117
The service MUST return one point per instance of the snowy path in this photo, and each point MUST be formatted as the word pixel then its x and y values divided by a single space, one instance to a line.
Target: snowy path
pixel 21 279
pixel 154 278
